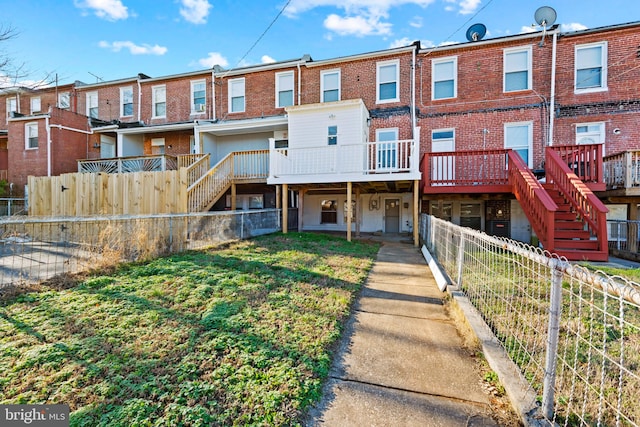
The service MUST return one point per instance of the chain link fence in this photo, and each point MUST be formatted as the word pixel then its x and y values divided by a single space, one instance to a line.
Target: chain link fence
pixel 36 249
pixel 573 333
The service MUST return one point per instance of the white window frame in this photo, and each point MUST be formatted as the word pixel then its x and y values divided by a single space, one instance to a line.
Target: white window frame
pixel 507 68
pixel 529 125
pixel 235 86
pixel 158 142
pixel 27 135
pixel 379 65
pixel 157 99
pixel 36 104
pixel 285 75
pixel 452 138
pixel 332 135
pixel 434 64
pixel 199 108
pixel 596 135
pixel 123 91
pixel 66 97
pixel 12 108
pixel 92 102
pixel 603 65
pixel 323 85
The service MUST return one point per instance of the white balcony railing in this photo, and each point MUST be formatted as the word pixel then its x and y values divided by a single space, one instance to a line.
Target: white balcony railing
pixel 389 157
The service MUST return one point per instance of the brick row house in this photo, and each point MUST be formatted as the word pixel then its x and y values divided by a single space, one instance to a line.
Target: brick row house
pixel 515 136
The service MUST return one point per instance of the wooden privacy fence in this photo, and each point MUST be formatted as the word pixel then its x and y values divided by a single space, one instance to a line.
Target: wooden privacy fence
pixel 84 194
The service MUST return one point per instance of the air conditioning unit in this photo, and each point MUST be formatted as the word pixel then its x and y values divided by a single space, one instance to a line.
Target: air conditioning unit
pixel 200 108
pixel 280 135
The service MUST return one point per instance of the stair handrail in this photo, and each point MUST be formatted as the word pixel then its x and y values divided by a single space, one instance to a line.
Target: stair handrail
pixel 208 187
pixel 586 204
pixel 537 204
pixel 197 169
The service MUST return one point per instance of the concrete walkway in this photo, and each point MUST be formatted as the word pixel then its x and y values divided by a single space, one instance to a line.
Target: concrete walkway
pixel 401 362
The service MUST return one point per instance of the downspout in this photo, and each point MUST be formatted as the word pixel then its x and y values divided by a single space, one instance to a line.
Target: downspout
pixel 552 101
pixel 139 100
pixel 413 94
pixel 213 94
pixel 299 83
pixel 48 128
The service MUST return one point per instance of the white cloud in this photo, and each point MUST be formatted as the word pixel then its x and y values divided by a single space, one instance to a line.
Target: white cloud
pixel 195 11
pixel 574 26
pixel 134 49
pixel 214 58
pixel 416 22
pixel 468 7
pixel 111 10
pixel 528 29
pixel 405 41
pixel 360 18
pixel 266 59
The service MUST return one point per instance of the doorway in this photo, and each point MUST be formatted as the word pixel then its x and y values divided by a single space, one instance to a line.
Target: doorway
pixel 392 216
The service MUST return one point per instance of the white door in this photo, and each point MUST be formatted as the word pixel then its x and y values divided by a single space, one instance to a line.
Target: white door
pixel 442 167
pixel 387 152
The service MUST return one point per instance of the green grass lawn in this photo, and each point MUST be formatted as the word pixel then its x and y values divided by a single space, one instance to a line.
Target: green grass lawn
pixel 237 335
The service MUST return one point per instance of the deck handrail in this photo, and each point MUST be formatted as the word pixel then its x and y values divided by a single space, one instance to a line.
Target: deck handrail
pixel 587 205
pixel 205 190
pixel 622 170
pixel 186 160
pixel 197 169
pixel 465 167
pixel 161 162
pixel 252 164
pixel 584 159
pixel 537 204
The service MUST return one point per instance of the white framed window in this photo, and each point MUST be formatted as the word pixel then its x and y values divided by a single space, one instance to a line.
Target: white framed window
pixel 159 100
pixel 12 106
pixel 387 148
pixel 284 89
pixel 330 85
pixel 517 69
pixel 591 67
pixel 519 137
pixel 444 76
pixel 236 95
pixel 157 146
pixel 198 96
pixel 36 105
pixel 329 212
pixel 92 104
pixel 590 133
pixel 387 81
pixel 31 136
pixel 332 135
pixel 64 100
pixel 126 101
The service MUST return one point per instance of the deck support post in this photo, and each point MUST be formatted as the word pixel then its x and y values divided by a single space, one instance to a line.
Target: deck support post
pixel 301 194
pixel 233 196
pixel 285 208
pixel 357 213
pixel 277 197
pixel 416 217
pixel 349 210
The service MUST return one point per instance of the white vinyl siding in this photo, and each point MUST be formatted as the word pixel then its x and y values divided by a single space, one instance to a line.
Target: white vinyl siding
pixel 284 89
pixel 126 101
pixel 519 137
pixel 236 95
pixel 330 85
pixel 387 81
pixel 159 101
pixel 31 136
pixel 517 69
pixel 198 96
pixel 591 67
pixel 444 78
pixel 92 104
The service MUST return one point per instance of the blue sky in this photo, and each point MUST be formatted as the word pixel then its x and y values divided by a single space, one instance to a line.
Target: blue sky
pixel 88 40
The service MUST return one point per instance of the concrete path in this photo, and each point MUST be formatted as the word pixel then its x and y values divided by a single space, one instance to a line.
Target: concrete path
pixel 401 362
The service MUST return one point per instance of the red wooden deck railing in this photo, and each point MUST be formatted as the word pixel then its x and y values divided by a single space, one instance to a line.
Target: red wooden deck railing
pixel 534 199
pixel 465 172
pixel 586 204
pixel 585 161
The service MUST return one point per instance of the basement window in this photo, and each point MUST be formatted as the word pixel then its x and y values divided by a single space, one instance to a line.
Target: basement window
pixel 329 214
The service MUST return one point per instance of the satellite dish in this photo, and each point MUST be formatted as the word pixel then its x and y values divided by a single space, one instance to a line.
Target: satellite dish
pixel 545 16
pixel 476 32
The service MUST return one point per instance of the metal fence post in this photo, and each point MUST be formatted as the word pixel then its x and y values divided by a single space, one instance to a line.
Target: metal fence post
pixel 242 226
pixel 552 340
pixel 460 259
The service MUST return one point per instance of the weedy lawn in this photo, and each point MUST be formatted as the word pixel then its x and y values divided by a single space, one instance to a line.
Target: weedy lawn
pixel 236 335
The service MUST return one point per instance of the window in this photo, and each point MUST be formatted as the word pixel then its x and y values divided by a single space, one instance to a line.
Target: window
pixel 92 104
pixel 517 69
pixel 591 69
pixel 386 152
pixel 444 73
pixel 12 106
pixel 64 100
pixel 330 85
pixel 157 146
pixel 159 101
pixel 126 101
pixel 332 133
pixel 198 96
pixel 236 95
pixel 519 137
pixel 387 77
pixel 329 214
pixel 284 89
pixel 590 133
pixel 31 135
pixel 35 105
